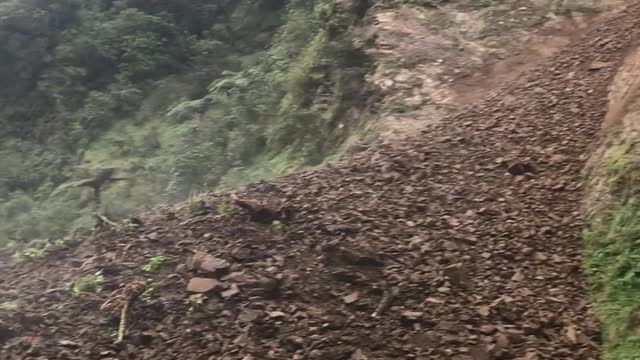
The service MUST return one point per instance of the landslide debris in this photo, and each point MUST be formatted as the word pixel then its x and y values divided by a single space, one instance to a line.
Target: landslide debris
pixel 427 248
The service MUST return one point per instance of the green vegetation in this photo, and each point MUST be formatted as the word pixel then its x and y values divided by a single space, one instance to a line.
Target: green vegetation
pixel 148 293
pixel 615 162
pixel 224 209
pixel 177 96
pixel 33 252
pixel 612 262
pixel 195 302
pixel 89 283
pixel 32 249
pixel 154 263
pixel 277 226
pixel 613 267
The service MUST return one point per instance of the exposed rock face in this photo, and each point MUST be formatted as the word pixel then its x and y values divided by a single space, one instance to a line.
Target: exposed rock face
pixel 431 61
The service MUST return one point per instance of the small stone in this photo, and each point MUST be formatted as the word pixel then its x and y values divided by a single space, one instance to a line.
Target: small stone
pixel 351 298
pixel 231 291
pixel 597 65
pixel 541 257
pixel 527 251
pixel 207 263
pixel 432 300
pixel 521 168
pixel 412 315
pixel 248 315
pixel 571 333
pixel 277 314
pixel 203 285
pixel 358 355
pixel 69 344
pixel 484 310
pixel 518 276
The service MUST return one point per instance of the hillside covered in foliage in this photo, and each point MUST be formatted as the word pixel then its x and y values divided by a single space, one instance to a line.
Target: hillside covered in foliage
pixel 169 97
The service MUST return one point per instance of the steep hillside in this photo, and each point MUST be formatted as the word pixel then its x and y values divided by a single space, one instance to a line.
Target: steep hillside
pixel 461 242
pixel 175 96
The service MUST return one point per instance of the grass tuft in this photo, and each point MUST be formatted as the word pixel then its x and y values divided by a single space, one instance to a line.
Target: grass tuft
pixel 616 160
pixel 154 263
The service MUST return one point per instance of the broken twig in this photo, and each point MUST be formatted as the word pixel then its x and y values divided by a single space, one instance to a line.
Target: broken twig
pixel 385 302
pixel 123 298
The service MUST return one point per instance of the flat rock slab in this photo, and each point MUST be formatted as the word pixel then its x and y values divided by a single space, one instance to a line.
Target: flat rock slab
pixel 203 285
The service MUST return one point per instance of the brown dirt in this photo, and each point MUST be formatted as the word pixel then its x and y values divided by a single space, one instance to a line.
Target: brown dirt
pixel 536 48
pixel 430 62
pixel 463 240
pixel 623 96
pixel 531 49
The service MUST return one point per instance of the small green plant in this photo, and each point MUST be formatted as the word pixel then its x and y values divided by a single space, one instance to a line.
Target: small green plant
pixel 89 283
pixel 9 306
pixel 277 226
pixel 195 301
pixel 154 263
pixel 147 295
pixel 33 250
pixel 223 208
pixel 616 160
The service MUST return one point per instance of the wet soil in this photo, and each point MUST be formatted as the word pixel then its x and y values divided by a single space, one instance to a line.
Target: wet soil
pixel 461 242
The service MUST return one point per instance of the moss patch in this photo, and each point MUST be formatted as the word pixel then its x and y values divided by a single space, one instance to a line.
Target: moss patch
pixel 613 268
pixel 615 162
pixel 612 261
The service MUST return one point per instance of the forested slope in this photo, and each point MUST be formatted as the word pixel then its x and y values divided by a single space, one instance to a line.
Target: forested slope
pixel 176 96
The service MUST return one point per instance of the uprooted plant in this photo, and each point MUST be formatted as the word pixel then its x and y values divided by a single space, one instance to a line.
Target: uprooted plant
pixel 122 299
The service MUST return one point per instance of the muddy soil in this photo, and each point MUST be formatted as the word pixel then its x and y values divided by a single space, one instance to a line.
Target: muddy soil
pixel 461 242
